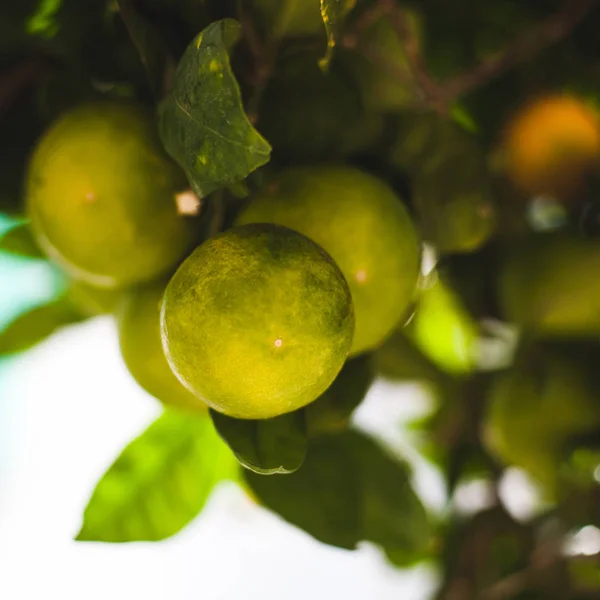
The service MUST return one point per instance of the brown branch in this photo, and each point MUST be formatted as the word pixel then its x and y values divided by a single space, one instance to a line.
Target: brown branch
pixel 440 95
pixel 428 86
pixel 524 48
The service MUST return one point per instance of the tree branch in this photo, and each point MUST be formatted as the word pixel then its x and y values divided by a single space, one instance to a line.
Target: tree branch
pixel 428 86
pixel 524 48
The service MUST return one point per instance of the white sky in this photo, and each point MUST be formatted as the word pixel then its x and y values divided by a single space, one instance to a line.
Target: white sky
pixel 66 410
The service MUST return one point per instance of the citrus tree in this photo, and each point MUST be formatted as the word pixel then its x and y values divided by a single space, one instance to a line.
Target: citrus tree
pixel 280 201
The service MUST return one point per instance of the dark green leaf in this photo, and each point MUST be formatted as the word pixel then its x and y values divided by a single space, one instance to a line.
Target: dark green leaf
pixel 36 325
pixel 18 240
pixel 333 13
pixel 150 46
pixel 392 514
pixel 332 411
pixel 322 497
pixel 265 446
pixel 160 482
pixel 348 490
pixel 202 121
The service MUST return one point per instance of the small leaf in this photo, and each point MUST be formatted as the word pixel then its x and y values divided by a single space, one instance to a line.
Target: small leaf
pixel 202 121
pixel 322 497
pixel 160 482
pixel 333 13
pixel 151 48
pixel 266 446
pixel 36 325
pixel 18 240
pixel 331 412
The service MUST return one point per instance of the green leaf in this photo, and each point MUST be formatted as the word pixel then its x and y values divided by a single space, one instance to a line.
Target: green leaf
pixel 332 410
pixel 266 446
pixel 160 482
pixel 18 240
pixel 392 514
pixel 151 48
pixel 333 13
pixel 202 121
pixel 34 326
pixel 322 497
pixel 348 490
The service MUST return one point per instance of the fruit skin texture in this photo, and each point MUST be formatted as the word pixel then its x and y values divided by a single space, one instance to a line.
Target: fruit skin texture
pixel 257 321
pixel 550 143
pixel 101 196
pixel 532 413
pixel 142 350
pixel 549 286
pixel 365 228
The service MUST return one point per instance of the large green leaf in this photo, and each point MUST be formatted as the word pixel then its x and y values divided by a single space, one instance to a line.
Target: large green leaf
pixel 36 325
pixel 160 482
pixel 18 240
pixel 392 514
pixel 202 121
pixel 348 490
pixel 322 497
pixel 334 13
pixel 332 410
pixel 266 446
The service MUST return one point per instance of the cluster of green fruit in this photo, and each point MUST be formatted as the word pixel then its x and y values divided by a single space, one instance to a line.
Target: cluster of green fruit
pixel 273 293
pixel 322 263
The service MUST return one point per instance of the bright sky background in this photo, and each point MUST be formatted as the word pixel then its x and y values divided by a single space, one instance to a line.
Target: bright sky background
pixel 67 408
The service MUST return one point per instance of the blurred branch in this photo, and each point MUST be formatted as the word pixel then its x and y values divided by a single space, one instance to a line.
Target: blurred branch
pixel 431 90
pixel 440 95
pixel 525 47
pixel 15 80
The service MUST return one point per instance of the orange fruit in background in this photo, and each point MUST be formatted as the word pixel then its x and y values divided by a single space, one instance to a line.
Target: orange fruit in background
pixel 550 144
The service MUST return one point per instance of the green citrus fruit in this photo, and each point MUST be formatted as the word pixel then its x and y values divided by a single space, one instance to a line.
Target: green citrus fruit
pixel 450 183
pixel 101 194
pixel 361 223
pixel 142 350
pixel 549 286
pixel 257 321
pixel 443 329
pixel 534 410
